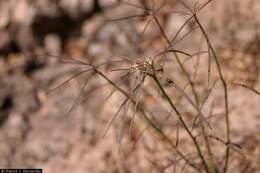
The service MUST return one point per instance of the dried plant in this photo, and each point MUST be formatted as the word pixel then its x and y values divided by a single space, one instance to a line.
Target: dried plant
pixel 151 68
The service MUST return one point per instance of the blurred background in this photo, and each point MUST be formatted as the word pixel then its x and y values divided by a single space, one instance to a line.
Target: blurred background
pixel 36 130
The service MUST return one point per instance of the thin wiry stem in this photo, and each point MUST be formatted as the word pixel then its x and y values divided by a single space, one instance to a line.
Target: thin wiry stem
pixel 79 95
pixel 211 156
pixel 174 50
pixel 204 101
pixel 247 87
pixel 155 78
pixel 197 103
pixel 178 60
pixel 178 88
pixel 146 26
pixel 209 66
pixel 114 116
pixel 122 79
pixel 184 36
pixel 180 29
pixel 68 80
pixel 139 87
pixel 225 90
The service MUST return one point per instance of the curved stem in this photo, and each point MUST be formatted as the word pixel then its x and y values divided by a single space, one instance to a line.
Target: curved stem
pixel 225 92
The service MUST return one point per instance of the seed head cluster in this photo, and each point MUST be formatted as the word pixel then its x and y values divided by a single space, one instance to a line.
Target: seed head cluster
pixel 142 67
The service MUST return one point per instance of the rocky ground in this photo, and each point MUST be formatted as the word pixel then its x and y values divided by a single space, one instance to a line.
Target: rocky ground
pixel 61 132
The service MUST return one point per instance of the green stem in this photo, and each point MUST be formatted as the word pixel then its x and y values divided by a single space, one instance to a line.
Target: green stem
pixel 182 121
pixel 225 93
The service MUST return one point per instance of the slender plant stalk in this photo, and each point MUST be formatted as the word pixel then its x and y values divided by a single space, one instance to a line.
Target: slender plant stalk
pixel 178 60
pixel 213 167
pixel 225 93
pixel 196 97
pixel 155 78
